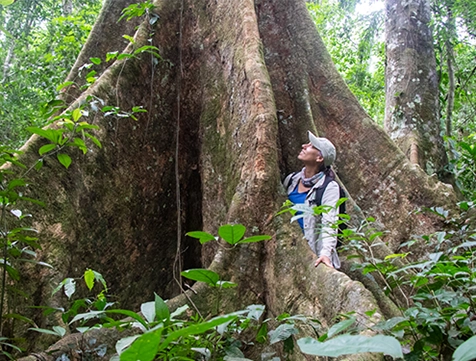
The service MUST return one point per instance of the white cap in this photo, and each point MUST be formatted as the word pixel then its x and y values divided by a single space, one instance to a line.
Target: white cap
pixel 326 148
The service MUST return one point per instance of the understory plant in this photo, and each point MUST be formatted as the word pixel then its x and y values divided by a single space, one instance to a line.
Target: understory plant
pixel 436 294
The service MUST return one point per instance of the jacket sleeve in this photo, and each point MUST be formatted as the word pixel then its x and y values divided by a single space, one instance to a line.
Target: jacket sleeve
pixel 328 234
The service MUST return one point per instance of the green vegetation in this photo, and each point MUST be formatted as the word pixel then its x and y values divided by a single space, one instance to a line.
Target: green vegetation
pixel 39 42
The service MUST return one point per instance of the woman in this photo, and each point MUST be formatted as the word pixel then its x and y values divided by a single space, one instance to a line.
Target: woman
pixel 317 157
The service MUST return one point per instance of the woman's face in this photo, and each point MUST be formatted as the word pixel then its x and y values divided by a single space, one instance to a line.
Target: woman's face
pixel 310 154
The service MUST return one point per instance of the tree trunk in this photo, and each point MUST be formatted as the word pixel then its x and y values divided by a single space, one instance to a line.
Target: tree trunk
pixel 229 105
pixel 412 116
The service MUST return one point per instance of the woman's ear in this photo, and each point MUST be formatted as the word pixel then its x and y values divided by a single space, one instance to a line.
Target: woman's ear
pixel 319 158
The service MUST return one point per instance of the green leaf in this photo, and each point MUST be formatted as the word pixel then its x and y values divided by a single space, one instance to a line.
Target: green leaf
pixel 6 2
pixel 94 139
pixel 341 326
pixel 57 331
pixel 64 85
pixel 202 275
pixel 78 142
pixel 69 287
pixel 17 316
pixel 89 278
pixel 39 164
pixel 162 311
pixel 262 334
pixel 124 56
pixel 257 238
pixel 134 315
pixel 96 61
pixel 466 351
pixel 197 329
pixel 148 310
pixel 179 311
pixel 203 237
pixel 283 332
pixel 101 279
pixel 125 342
pixel 144 348
pixel 76 114
pixel 13 272
pixel 111 55
pixel 351 344
pixel 232 233
pixel 130 38
pixel 46 148
pixel 64 159
pixel 48 134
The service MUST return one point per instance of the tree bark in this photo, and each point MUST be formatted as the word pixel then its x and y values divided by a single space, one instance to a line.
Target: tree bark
pixel 240 84
pixel 412 116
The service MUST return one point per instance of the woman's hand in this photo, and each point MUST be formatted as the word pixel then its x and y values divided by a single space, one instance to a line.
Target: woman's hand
pixel 325 260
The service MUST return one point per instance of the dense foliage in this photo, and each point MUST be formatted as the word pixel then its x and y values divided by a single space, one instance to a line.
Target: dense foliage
pixel 39 42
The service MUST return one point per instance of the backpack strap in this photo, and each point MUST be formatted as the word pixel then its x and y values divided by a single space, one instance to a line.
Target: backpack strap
pixel 319 192
pixel 287 181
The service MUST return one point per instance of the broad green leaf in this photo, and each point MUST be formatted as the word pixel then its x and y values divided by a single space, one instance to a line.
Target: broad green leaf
pixel 202 275
pixel 128 37
pixel 255 311
pixel 111 55
pixel 125 342
pixel 124 56
pixel 257 238
pixel 64 159
pixel 13 272
pixel 69 287
pixel 57 331
pixel 96 61
pixel 196 329
pixel 94 139
pixel 76 114
pixel 61 331
pixel 6 2
pixel 351 344
pixel 48 134
pixel 64 85
pixel 161 309
pixel 179 311
pixel 144 348
pixel 282 333
pixel 86 316
pixel 46 148
pixel 203 237
pixel 262 334
pixel 148 310
pixel 131 314
pixel 101 279
pixel 466 351
pixel 16 183
pixel 341 326
pixel 89 278
pixel 232 233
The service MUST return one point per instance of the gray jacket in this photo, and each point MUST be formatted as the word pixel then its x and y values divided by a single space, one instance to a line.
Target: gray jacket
pixel 320 236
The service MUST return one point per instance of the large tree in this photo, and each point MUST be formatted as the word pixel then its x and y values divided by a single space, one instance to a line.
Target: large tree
pixel 412 111
pixel 228 106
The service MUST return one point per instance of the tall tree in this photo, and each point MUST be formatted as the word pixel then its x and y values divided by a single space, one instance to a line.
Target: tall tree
pixel 412 115
pixel 239 85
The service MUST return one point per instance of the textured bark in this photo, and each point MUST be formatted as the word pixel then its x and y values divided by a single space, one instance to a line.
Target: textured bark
pixel 412 116
pixel 107 27
pixel 240 84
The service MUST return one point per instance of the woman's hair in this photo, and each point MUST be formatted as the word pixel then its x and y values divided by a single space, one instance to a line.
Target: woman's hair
pixel 329 172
